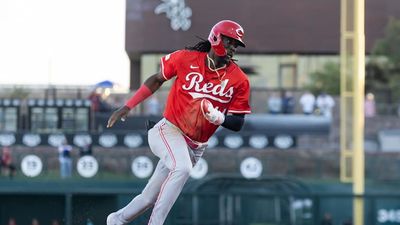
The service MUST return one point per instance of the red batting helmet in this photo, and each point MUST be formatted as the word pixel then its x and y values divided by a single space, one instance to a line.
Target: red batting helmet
pixel 227 28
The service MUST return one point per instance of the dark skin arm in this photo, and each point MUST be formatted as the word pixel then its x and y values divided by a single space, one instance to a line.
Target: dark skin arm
pixel 234 122
pixel 154 82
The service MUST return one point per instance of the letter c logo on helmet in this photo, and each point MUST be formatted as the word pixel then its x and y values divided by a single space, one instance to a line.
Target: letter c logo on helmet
pixel 227 28
pixel 240 32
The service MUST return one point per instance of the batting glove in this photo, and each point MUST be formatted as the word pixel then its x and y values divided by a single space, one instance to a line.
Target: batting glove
pixel 212 114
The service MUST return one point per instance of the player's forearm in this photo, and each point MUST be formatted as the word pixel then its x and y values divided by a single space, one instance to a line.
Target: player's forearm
pixel 151 85
pixel 233 122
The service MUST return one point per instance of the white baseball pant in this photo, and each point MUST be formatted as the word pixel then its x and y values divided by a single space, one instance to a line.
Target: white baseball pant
pixel 172 171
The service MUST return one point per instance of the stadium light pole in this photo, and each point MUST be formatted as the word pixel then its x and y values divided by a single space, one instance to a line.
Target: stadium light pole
pixel 352 76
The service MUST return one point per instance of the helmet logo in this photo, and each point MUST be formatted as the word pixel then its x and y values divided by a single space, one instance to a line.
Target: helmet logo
pixel 239 32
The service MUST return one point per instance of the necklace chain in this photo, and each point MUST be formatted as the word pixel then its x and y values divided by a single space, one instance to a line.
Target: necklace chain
pixel 216 69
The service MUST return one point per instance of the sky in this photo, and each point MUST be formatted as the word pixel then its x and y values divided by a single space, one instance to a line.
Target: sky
pixel 63 42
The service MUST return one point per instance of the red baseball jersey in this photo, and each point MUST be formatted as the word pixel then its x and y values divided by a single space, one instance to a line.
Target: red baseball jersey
pixel 228 90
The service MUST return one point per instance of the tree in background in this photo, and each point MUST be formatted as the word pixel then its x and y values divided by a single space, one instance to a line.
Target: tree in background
pixel 383 70
pixel 326 80
pixel 389 45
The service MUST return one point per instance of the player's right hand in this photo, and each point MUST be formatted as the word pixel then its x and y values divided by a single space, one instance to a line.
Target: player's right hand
pixel 212 114
pixel 120 113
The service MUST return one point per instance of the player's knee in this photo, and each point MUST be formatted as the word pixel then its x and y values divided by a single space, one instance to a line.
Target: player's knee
pixel 184 170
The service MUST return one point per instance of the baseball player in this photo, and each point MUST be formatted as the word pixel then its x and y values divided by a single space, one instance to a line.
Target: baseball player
pixel 209 90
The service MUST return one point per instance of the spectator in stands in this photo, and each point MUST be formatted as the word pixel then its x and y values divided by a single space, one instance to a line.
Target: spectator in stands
pixel 35 221
pixel 55 222
pixel 89 221
pixel 153 107
pixel 288 102
pixel 348 221
pixel 7 165
pixel 325 104
pixel 307 102
pixel 86 149
pixel 12 221
pixel 104 106
pixel 98 102
pixel 95 98
pixel 275 103
pixel 64 157
pixel 369 105
pixel 327 219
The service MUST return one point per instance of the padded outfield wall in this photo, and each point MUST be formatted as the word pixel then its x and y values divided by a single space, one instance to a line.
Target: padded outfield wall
pixel 218 200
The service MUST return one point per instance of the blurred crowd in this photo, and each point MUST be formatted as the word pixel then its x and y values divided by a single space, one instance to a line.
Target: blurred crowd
pixel 7 165
pixel 284 102
pixel 9 169
pixel 35 221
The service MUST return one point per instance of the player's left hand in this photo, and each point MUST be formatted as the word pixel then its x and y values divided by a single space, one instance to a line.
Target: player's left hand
pixel 120 113
pixel 212 114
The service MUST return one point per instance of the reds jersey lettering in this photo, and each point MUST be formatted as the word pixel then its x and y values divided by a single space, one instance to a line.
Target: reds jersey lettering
pixel 194 82
pixel 198 89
